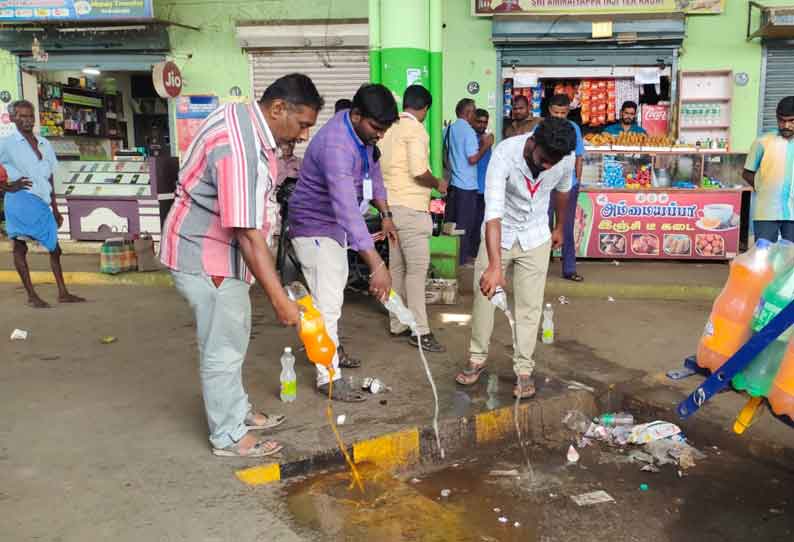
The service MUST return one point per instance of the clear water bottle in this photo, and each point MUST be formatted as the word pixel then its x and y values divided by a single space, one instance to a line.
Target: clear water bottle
pixel 548 324
pixel 394 304
pixel 289 381
pixel 613 419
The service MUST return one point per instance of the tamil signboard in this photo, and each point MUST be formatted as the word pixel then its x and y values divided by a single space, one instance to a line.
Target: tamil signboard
pixel 679 225
pixel 74 10
pixel 594 7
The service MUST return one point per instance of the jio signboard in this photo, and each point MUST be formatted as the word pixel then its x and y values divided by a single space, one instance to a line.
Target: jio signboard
pixel 167 79
pixel 75 10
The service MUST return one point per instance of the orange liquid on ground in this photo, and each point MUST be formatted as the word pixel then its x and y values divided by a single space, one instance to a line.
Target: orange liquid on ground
pixel 781 394
pixel 320 350
pixel 732 315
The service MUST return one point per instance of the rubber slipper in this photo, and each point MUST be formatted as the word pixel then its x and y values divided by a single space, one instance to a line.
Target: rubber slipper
pixel 346 361
pixel 576 277
pixel 470 375
pixel 262 448
pixel 271 421
pixel 524 388
pixel 342 392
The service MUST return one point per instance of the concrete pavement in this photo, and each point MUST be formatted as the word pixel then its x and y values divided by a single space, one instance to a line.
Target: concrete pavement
pixel 111 439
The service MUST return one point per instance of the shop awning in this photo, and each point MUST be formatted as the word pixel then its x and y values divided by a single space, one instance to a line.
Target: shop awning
pixel 509 31
pixel 775 22
pixel 80 36
pixel 110 62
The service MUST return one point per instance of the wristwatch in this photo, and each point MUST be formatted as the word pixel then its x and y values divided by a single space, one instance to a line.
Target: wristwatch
pixel 386 214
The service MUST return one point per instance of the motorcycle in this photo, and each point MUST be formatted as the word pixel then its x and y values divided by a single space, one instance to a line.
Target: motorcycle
pixel 287 263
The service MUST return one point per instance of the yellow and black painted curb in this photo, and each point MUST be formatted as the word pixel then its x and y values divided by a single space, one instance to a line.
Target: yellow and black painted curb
pixel 415 446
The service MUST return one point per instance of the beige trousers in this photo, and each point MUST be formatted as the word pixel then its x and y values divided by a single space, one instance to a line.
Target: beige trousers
pixel 408 264
pixel 529 281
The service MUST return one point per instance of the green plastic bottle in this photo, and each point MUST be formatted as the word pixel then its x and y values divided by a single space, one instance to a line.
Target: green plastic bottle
pixel 756 378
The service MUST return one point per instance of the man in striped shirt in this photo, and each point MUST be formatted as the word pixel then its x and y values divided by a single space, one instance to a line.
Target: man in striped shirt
pixel 215 242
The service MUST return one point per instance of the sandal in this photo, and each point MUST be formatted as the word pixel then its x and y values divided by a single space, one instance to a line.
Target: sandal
pixel 346 361
pixel 262 448
pixel 342 392
pixel 524 388
pixel 471 374
pixel 271 421
pixel 576 277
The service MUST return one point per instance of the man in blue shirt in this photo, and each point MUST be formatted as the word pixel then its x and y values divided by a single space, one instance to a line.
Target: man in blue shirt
pixel 480 126
pixel 628 121
pixel 559 107
pixel 30 208
pixel 464 152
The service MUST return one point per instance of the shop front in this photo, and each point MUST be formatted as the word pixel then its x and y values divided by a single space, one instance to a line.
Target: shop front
pixel 99 102
pixel 667 187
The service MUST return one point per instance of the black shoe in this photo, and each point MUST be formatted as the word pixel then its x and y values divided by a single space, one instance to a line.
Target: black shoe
pixel 429 343
pixel 402 335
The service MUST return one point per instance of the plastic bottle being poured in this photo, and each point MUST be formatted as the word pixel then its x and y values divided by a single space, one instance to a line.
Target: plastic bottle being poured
pixel 320 350
pixel 394 304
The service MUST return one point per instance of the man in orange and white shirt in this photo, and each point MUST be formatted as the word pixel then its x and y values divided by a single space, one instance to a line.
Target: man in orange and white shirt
pixel 215 242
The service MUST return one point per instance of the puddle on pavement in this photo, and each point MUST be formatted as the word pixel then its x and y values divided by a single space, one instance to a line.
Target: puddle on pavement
pixel 718 499
pixel 413 509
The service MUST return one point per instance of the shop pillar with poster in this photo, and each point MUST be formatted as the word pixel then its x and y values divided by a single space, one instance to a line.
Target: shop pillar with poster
pixel 665 186
pixel 93 81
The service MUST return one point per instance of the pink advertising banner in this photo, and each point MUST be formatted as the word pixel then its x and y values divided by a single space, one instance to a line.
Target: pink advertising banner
pixel 676 225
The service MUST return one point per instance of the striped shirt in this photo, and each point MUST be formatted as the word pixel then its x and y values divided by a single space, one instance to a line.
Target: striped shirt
pixel 225 182
pixel 772 159
pixel 514 196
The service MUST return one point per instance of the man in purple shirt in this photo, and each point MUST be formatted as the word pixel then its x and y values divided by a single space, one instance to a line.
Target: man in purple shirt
pixel 339 179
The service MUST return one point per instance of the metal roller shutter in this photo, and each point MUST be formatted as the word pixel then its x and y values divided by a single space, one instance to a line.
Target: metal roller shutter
pixel 338 73
pixel 778 81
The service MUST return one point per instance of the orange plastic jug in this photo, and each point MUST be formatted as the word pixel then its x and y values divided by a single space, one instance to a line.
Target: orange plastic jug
pixel 728 327
pixel 781 394
pixel 320 349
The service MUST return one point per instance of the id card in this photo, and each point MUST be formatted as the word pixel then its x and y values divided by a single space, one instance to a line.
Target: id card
pixel 367 189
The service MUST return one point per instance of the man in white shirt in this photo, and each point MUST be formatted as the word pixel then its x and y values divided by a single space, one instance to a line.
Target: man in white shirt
pixel 521 176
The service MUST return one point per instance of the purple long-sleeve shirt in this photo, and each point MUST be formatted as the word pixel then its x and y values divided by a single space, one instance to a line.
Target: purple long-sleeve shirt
pixel 330 188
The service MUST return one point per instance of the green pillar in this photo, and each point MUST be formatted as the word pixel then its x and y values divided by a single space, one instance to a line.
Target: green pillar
pixel 374 42
pixel 436 87
pixel 405 41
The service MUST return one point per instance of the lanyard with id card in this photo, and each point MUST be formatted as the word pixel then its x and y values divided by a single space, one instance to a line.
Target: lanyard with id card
pixel 366 179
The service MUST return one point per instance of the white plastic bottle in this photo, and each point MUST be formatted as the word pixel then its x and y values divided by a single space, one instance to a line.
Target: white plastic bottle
pixel 499 299
pixel 394 304
pixel 548 324
pixel 289 382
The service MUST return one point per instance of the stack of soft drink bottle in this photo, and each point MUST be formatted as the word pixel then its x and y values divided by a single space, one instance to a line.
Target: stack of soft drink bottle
pixel 760 285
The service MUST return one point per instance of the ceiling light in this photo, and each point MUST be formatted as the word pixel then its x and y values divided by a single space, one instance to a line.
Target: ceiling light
pixel 88 70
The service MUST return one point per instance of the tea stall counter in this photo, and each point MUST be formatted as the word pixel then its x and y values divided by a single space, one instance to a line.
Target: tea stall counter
pixel 661 222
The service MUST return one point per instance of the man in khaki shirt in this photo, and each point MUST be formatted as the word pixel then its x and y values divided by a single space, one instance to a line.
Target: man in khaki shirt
pixel 406 174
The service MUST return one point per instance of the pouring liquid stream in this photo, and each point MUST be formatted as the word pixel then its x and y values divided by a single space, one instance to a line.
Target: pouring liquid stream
pixel 329 413
pixel 395 305
pixel 499 299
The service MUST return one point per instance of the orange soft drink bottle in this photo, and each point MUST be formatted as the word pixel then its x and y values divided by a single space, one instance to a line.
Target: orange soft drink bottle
pixel 781 393
pixel 728 327
pixel 320 349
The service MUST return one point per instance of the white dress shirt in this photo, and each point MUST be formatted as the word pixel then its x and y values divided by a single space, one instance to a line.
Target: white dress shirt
pixel 524 211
